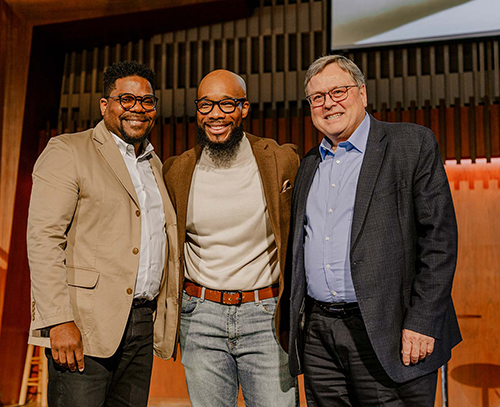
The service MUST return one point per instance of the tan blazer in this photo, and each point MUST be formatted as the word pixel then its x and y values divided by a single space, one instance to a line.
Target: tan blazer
pixel 84 237
pixel 277 166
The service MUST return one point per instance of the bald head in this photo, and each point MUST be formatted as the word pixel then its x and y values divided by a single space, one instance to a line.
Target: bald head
pixel 221 80
pixel 222 96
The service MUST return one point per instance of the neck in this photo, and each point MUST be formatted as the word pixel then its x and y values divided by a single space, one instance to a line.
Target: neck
pixel 138 149
pixel 336 140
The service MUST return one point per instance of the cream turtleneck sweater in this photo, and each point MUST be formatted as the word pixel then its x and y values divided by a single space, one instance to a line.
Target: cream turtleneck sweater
pixel 229 244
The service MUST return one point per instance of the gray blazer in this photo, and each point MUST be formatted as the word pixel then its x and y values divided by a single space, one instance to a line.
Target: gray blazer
pixel 403 247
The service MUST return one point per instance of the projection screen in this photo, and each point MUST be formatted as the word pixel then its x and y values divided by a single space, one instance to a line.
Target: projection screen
pixel 365 23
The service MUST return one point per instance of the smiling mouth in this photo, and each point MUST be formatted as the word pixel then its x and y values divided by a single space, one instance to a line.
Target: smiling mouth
pixel 333 116
pixel 135 122
pixel 217 129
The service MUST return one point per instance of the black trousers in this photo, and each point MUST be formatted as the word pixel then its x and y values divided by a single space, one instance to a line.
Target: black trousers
pixel 120 380
pixel 341 368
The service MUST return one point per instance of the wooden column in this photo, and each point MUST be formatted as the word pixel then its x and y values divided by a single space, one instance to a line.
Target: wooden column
pixel 15 47
pixel 15 44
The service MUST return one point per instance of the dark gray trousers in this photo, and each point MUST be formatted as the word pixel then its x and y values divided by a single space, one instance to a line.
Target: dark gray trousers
pixel 341 368
pixel 120 380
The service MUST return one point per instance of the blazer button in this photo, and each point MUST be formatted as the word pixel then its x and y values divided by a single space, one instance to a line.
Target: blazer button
pixel 129 291
pixel 135 250
pixel 137 213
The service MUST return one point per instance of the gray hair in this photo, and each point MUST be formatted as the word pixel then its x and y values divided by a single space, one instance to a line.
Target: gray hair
pixel 344 63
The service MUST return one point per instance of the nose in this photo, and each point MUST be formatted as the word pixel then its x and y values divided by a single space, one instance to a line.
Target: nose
pixel 216 112
pixel 138 106
pixel 329 102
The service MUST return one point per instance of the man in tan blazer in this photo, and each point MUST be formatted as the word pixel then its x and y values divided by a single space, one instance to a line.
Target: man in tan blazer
pixel 101 237
pixel 232 194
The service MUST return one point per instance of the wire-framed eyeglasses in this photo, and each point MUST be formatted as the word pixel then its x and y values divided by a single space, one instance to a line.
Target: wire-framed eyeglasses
pixel 129 100
pixel 228 105
pixel 337 94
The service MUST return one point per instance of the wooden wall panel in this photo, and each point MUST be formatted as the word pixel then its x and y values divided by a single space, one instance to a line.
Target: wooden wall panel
pixel 15 42
pixel 474 370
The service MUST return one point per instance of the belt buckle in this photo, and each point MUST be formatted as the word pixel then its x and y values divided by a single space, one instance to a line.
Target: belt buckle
pixel 240 297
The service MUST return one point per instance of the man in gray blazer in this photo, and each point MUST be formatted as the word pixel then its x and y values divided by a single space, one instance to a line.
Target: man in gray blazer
pixel 374 249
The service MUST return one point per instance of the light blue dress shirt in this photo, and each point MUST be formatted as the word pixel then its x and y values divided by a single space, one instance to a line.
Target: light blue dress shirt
pixel 328 218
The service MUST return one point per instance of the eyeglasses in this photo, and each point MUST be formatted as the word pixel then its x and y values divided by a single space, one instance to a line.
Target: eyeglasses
pixel 205 106
pixel 129 100
pixel 337 94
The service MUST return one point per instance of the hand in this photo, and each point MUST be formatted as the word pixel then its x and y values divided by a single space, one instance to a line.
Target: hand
pixel 416 347
pixel 67 347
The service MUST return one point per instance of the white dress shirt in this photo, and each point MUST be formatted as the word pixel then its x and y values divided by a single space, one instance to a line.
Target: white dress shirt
pixel 153 232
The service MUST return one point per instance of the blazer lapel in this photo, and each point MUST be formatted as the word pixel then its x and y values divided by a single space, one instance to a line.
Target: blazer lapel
pixel 184 181
pixel 113 157
pixel 303 184
pixel 372 162
pixel 168 208
pixel 266 162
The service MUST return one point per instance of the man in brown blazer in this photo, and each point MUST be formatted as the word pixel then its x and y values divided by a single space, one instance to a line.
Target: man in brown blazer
pixel 100 222
pixel 232 194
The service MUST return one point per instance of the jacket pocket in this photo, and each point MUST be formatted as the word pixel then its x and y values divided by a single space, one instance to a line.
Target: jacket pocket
pixel 79 277
pixel 82 287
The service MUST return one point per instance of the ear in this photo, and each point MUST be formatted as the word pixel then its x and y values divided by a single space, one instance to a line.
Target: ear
pixel 103 104
pixel 245 108
pixel 362 93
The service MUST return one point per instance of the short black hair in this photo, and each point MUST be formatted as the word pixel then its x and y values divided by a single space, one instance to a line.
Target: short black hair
pixel 124 69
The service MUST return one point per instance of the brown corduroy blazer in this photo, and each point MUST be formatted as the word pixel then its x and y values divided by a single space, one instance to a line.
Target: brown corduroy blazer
pixel 277 166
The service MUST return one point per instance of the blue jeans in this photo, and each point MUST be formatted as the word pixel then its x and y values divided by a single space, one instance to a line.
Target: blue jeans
pixel 223 346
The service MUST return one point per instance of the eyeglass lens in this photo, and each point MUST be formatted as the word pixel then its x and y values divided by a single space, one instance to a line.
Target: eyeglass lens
pixel 337 95
pixel 226 105
pixel 128 101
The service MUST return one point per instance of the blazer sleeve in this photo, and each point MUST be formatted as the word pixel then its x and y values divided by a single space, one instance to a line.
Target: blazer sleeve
pixel 54 199
pixel 437 241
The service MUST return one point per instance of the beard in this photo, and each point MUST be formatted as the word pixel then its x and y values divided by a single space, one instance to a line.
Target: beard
pixel 132 140
pixel 222 154
pixel 117 126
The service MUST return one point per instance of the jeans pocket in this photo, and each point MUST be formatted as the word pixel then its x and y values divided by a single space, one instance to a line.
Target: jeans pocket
pixel 268 306
pixel 189 304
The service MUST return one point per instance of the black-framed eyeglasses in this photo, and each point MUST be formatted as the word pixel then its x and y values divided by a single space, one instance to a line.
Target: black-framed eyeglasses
pixel 129 100
pixel 228 105
pixel 337 94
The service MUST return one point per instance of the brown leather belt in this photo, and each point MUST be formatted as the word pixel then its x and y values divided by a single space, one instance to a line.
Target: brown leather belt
pixel 230 297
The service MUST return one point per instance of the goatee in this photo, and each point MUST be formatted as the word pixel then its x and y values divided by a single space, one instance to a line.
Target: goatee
pixel 132 140
pixel 222 154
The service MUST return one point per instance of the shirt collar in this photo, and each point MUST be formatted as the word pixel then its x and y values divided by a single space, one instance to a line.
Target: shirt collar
pixel 357 140
pixel 128 149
